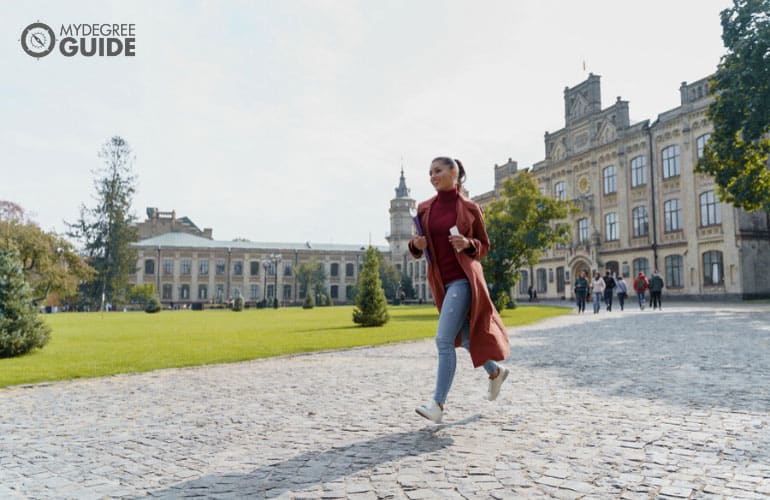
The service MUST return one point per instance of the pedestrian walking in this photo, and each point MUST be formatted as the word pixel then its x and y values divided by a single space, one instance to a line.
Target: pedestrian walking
pixel 640 287
pixel 656 288
pixel 581 290
pixel 456 238
pixel 622 291
pixel 597 291
pixel 609 286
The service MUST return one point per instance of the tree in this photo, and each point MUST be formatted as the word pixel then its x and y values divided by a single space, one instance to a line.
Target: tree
pixel 50 263
pixel 738 150
pixel 389 276
pixel 311 277
pixel 371 306
pixel 520 224
pixel 142 294
pixel 107 229
pixel 21 329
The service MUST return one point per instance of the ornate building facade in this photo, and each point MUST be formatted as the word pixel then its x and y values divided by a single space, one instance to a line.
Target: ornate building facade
pixel 641 204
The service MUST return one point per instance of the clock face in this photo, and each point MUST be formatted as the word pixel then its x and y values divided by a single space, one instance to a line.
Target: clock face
pixel 38 40
pixel 583 185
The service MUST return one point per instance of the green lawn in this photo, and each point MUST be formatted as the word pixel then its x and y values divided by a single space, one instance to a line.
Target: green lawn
pixel 92 345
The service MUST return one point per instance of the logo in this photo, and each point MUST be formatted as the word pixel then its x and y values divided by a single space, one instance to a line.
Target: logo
pixel 80 39
pixel 38 40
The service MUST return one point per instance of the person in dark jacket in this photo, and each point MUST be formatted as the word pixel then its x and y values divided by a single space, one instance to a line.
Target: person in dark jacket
pixel 581 291
pixel 609 287
pixel 656 288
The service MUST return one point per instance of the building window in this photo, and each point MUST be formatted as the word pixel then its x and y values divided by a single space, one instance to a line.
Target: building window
pixel 710 209
pixel 674 271
pixel 641 265
pixel 184 292
pixel 238 268
pixel 220 267
pixel 349 269
pixel 424 269
pixel 203 267
pixel 220 293
pixel 186 266
pixel 638 171
pixel 254 292
pixel 524 282
pixel 149 266
pixel 167 291
pixel 542 281
pixel 672 213
pixel 712 268
pixel 349 292
pixel 270 291
pixel 700 143
pixel 286 292
pixel 583 236
pixel 335 269
pixel 560 190
pixel 203 292
pixel 611 226
pixel 671 161
pixel 609 176
pixel 335 291
pixel 168 266
pixel 271 268
pixel 641 227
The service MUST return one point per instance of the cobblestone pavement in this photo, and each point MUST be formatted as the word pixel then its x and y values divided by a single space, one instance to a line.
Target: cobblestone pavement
pixel 615 405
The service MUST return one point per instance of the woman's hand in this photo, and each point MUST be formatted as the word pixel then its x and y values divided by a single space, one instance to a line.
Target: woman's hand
pixel 420 242
pixel 459 242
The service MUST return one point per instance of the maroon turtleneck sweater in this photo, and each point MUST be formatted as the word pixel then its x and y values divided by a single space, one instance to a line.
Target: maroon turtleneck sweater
pixel 443 215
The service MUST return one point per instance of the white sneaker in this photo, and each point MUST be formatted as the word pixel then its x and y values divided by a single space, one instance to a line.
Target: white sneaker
pixel 431 410
pixel 497 382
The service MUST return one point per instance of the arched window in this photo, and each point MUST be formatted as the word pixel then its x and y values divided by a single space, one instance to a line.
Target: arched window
pixel 710 209
pixel 149 266
pixel 713 273
pixel 611 226
pixel 672 214
pixel 609 176
pixel 670 161
pixel 641 226
pixel 583 236
pixel 638 171
pixel 184 292
pixel 560 190
pixel 674 271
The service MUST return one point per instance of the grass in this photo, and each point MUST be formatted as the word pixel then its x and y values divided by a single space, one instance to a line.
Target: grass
pixel 93 345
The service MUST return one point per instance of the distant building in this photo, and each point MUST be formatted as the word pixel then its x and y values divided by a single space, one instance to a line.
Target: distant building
pixel 641 204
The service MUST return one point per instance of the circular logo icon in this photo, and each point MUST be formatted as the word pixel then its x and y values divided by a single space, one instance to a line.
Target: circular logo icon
pixel 38 40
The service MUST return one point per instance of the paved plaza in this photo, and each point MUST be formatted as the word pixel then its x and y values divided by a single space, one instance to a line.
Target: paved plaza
pixel 665 404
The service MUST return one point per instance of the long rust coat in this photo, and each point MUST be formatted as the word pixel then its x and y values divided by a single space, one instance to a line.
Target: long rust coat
pixel 488 338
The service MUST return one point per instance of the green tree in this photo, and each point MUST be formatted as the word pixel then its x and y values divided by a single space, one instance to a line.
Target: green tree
pixel 311 277
pixel 142 294
pixel 50 263
pixel 520 224
pixel 371 306
pixel 107 229
pixel 389 276
pixel 21 329
pixel 738 150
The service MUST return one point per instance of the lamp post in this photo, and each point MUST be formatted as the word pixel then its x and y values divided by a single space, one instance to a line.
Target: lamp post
pixel 276 259
pixel 266 267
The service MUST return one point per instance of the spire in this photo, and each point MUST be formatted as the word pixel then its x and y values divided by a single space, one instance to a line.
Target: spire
pixel 402 191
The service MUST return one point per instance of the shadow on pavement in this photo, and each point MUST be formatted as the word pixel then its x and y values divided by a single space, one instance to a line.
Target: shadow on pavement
pixel 707 357
pixel 312 468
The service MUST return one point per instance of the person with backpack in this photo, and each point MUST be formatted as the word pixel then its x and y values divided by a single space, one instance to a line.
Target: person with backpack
pixel 640 287
pixel 656 288
pixel 581 290
pixel 622 291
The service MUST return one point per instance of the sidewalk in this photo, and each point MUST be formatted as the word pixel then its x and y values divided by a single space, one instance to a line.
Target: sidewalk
pixel 664 404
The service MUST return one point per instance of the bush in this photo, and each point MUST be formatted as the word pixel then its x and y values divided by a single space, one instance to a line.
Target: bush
pixel 309 302
pixel 21 329
pixel 371 305
pixel 153 305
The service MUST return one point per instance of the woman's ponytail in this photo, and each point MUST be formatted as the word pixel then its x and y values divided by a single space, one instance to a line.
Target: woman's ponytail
pixel 461 173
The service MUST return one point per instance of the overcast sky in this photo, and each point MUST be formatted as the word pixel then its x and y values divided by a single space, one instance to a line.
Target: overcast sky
pixel 289 121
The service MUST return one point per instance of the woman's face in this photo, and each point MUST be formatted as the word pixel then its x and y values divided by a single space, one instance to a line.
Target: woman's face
pixel 442 177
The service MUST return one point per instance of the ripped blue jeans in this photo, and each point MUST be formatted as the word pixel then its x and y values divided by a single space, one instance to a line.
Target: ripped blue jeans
pixel 452 319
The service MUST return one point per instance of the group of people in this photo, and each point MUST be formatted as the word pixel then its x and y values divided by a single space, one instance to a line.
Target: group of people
pixel 603 288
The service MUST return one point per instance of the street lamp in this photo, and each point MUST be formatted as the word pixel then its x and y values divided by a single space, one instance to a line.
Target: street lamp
pixel 276 258
pixel 266 267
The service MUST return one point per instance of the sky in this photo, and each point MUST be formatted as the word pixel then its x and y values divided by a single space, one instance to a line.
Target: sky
pixel 290 121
